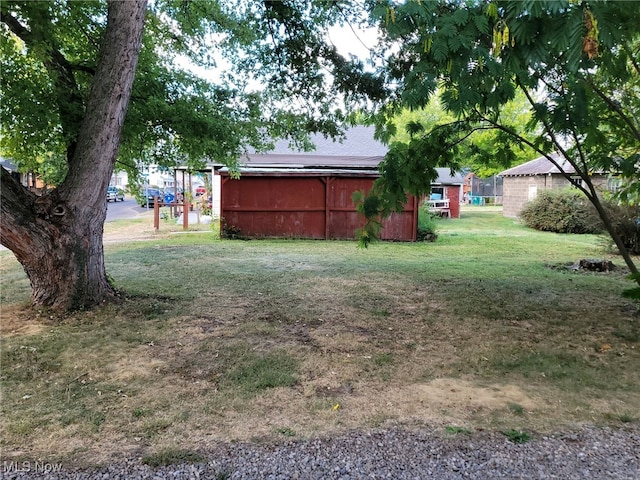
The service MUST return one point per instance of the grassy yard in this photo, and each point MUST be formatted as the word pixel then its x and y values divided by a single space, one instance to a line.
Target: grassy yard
pixel 255 340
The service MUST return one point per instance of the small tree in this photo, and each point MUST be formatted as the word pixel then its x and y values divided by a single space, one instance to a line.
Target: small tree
pixel 576 63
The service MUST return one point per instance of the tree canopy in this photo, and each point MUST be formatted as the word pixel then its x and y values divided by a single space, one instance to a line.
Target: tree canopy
pixel 575 62
pixel 67 76
pixel 272 75
pixel 480 153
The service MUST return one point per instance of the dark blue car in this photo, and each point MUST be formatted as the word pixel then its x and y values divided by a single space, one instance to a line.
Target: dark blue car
pixel 149 196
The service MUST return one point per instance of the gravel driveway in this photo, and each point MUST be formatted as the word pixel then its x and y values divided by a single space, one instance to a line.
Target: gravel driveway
pixel 589 453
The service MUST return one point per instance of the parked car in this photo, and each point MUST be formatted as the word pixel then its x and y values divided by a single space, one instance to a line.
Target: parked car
pixel 114 194
pixel 200 191
pixel 169 196
pixel 149 196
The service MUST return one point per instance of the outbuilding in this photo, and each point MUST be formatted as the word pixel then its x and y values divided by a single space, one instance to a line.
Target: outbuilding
pixel 309 194
pixel 289 194
pixel 522 183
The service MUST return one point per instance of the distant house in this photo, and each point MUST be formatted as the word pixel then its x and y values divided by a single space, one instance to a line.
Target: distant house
pixel 29 179
pixel 308 194
pixel 522 183
pixel 119 178
pixel 34 183
pixel 448 188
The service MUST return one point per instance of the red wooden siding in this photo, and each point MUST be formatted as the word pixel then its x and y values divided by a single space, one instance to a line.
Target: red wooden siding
pixel 316 206
pixel 452 192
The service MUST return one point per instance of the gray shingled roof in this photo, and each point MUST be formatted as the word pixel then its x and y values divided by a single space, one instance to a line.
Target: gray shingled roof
pixel 357 151
pixel 310 160
pixel 445 177
pixel 539 166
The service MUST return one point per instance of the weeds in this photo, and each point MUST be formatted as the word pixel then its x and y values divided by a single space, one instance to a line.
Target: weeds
pixel 516 409
pixel 624 417
pixel 382 359
pixel 627 418
pixel 455 430
pixel 517 436
pixel 140 412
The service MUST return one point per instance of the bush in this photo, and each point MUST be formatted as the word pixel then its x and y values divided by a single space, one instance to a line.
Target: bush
pixel 427 227
pixel 228 231
pixel 625 220
pixel 568 211
pixel 561 211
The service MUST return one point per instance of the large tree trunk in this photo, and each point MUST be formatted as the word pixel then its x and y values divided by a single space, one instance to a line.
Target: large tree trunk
pixel 60 247
pixel 57 237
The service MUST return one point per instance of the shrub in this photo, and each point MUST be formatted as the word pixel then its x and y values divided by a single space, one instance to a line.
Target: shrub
pixel 517 436
pixel 568 211
pixel 561 211
pixel 229 231
pixel 427 227
pixel 625 220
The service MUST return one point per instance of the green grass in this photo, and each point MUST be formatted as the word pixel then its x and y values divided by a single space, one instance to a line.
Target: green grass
pixel 456 430
pixel 254 373
pixel 516 409
pixel 235 340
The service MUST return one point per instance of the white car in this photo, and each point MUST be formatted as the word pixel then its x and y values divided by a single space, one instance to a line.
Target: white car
pixel 115 194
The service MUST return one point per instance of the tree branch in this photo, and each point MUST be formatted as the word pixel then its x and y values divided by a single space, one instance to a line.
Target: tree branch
pixel 19 30
pixel 615 106
pixel 69 100
pixel 516 136
pixel 467 133
pixel 83 68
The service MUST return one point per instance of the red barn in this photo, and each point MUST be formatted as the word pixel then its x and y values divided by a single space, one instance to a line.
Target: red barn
pixel 309 200
pixel 290 194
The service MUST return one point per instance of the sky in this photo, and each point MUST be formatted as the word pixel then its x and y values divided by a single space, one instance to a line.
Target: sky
pixel 349 41
pixel 353 42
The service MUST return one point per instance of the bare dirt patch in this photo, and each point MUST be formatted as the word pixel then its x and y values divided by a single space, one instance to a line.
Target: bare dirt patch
pixel 20 320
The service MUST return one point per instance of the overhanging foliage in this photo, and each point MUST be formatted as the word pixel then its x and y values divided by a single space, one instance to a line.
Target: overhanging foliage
pixel 575 63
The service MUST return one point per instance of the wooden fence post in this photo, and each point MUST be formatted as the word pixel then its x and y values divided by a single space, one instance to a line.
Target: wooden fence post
pixel 156 214
pixel 185 214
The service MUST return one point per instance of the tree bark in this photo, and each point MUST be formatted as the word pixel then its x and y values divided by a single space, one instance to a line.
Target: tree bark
pixel 615 236
pixel 58 236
